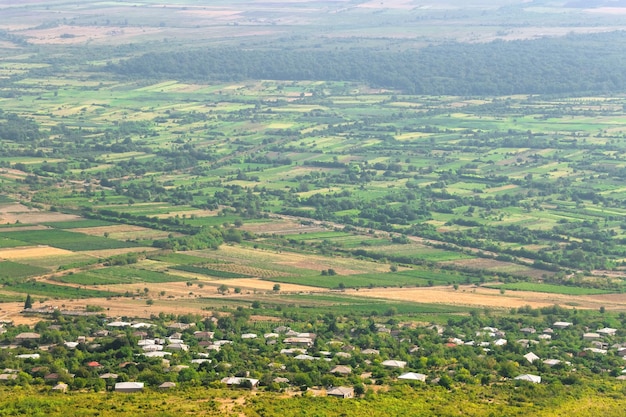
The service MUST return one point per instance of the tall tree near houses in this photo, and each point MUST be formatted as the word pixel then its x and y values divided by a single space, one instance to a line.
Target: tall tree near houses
pixel 29 302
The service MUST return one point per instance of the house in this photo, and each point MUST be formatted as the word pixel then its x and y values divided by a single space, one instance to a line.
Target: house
pixel 412 376
pixel 108 375
pixel 341 370
pixel 178 346
pixel 248 336
pixel 203 335
pixel 129 386
pixel 528 330
pixel 607 331
pixel 8 377
pixel 596 350
pixel 551 362
pixel 561 324
pixel 167 385
pixel 27 336
pixel 281 380
pixel 28 356
pixel 370 352
pixel 156 354
pixel 281 329
pixel 300 341
pixel 235 381
pixel 141 325
pixel 292 351
pixel 591 336
pixel 179 326
pixel 341 392
pixel 302 357
pixel 394 364
pixel 119 324
pixel 531 357
pixel 60 387
pixel 535 379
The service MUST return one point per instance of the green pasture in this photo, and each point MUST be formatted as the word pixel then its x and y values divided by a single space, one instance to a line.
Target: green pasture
pixel 12 270
pixel 56 291
pixel 118 275
pixel 406 278
pixel 208 271
pixel 67 240
pixel 549 288
pixel 78 224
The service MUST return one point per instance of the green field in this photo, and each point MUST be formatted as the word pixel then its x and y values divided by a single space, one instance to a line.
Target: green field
pixel 56 291
pixel 549 288
pixel 208 271
pixel 10 271
pixel 408 278
pixel 67 240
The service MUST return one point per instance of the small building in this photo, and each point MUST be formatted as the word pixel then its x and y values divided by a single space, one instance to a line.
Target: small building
pixel 27 337
pixel 607 331
pixel 531 357
pixel 394 364
pixel 60 387
pixel 129 386
pixel 341 392
pixel 203 335
pixel 412 376
pixel 341 370
pixel 167 385
pixel 535 379
pixel 235 381
pixel 299 341
pixel 551 362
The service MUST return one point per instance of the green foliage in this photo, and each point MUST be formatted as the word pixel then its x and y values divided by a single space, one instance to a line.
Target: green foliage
pixel 68 240
pixel 10 271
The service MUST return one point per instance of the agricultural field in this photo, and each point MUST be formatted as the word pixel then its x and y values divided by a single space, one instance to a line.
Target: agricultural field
pixel 396 175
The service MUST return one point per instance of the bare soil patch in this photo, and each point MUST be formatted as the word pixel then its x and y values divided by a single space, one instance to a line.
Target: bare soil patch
pixel 12 213
pixel 261 285
pixel 68 35
pixel 105 253
pixel 123 232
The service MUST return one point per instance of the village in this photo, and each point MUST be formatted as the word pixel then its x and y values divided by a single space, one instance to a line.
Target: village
pixel 327 355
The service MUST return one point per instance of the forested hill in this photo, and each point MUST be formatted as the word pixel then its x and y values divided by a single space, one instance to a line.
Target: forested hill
pixel 591 63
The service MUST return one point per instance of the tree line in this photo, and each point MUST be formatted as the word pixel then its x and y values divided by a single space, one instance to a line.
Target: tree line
pixel 590 63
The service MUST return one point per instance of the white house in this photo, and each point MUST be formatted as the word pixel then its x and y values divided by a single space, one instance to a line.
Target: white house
pixel 535 379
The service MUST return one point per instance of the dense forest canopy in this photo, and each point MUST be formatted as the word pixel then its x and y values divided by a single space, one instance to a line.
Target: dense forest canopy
pixel 572 64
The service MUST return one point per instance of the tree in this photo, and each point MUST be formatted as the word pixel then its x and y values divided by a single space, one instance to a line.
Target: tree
pixel 222 289
pixel 276 287
pixel 29 302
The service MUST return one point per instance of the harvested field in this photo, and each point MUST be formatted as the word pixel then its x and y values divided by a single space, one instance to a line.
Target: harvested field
pixel 480 297
pixel 32 252
pixel 105 253
pixel 499 266
pixel 12 213
pixel 261 285
pixel 281 227
pixel 123 232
